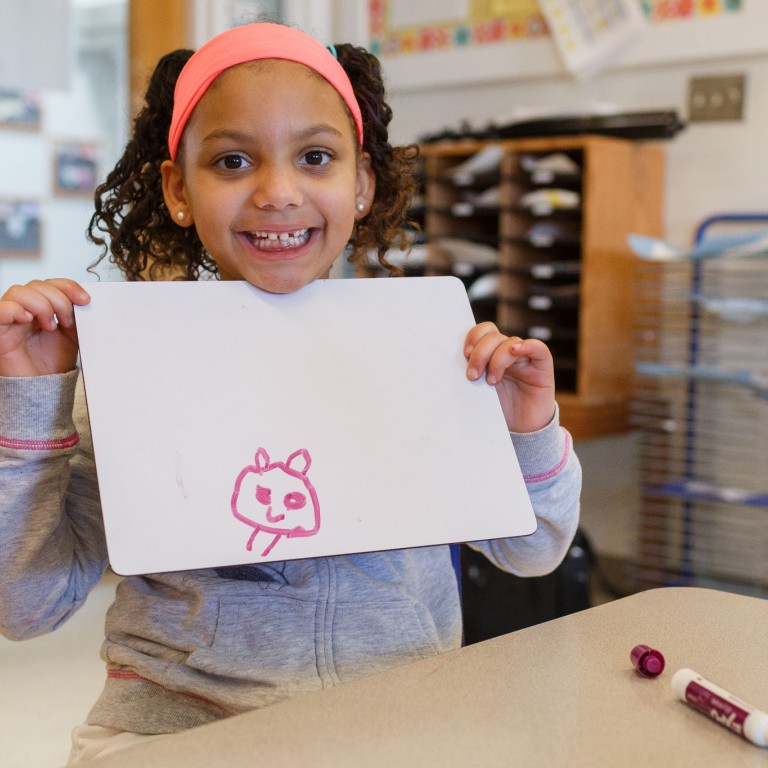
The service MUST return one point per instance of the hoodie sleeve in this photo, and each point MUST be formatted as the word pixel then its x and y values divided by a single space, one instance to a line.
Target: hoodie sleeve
pixel 54 549
pixel 552 476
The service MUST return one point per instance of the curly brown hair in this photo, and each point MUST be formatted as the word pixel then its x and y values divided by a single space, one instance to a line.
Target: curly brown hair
pixel 131 222
pixel 394 167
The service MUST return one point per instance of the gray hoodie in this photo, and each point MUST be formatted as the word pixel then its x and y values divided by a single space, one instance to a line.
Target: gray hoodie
pixel 187 648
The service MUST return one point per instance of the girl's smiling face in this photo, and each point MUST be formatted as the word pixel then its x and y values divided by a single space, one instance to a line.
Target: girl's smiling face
pixel 270 173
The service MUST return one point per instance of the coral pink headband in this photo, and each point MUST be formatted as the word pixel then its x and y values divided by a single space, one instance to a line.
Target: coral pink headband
pixel 251 43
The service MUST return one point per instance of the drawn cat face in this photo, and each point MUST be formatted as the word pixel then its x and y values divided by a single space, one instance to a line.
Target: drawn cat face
pixel 282 498
pixel 277 497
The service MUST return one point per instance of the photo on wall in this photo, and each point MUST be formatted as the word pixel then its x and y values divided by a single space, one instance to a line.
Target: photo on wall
pixel 76 168
pixel 20 110
pixel 20 227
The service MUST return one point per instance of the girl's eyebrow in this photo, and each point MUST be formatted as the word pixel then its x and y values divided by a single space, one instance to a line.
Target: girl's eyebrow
pixel 316 130
pixel 305 134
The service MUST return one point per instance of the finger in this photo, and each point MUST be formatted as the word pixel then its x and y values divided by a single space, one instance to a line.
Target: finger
pixel 71 289
pixel 485 347
pixel 502 358
pixel 517 352
pixel 12 313
pixel 477 333
pixel 480 336
pixel 66 294
pixel 33 299
pixel 50 301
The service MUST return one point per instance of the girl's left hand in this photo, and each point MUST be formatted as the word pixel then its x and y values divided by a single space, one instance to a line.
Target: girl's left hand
pixel 522 371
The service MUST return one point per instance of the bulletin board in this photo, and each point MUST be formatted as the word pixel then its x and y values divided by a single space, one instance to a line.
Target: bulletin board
pixel 401 28
pixel 438 43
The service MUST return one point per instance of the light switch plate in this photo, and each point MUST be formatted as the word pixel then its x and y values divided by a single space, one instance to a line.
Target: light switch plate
pixel 719 97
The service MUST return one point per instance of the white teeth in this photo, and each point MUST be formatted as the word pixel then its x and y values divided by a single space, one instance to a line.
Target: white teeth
pixel 292 239
pixel 280 235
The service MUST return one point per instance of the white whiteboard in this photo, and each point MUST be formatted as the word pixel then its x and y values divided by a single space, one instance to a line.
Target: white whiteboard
pixel 199 394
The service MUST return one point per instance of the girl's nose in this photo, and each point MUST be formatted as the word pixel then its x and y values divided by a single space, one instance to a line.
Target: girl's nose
pixel 276 188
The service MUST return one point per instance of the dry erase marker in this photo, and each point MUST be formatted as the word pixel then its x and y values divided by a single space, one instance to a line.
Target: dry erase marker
pixel 721 706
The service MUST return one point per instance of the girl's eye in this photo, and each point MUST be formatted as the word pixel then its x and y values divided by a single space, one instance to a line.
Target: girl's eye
pixel 316 157
pixel 232 162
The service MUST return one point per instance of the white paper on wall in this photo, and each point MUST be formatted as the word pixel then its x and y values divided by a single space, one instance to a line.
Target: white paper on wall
pixel 592 34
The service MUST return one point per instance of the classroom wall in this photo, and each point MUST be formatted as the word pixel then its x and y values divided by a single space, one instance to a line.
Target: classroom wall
pixel 711 167
pixel 90 107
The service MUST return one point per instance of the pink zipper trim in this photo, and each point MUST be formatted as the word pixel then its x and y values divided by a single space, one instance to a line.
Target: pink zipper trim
pixel 557 469
pixel 39 445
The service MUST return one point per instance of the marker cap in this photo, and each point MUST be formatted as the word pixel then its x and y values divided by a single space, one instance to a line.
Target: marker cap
pixel 647 661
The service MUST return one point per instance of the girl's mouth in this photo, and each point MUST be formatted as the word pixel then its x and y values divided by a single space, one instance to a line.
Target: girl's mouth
pixel 278 241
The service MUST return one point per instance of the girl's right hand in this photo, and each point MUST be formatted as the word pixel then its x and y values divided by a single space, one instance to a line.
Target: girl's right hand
pixel 37 327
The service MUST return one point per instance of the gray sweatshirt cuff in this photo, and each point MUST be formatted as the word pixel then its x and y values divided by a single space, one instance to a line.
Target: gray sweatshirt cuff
pixel 544 453
pixel 37 408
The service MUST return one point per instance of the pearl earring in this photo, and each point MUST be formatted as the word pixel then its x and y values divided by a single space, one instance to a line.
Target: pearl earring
pixel 181 215
pixel 360 207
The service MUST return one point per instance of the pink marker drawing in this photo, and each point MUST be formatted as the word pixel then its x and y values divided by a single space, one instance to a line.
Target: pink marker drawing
pixel 277 498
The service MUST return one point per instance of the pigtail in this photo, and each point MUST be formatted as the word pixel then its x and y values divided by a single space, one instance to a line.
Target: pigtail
pixel 131 222
pixel 384 226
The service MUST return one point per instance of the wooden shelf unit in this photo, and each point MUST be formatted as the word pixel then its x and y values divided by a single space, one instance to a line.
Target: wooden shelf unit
pixel 584 308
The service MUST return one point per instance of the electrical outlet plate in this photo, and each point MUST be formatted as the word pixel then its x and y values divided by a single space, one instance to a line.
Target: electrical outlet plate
pixel 720 97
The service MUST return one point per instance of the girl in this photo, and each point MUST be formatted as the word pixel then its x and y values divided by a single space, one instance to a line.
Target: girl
pixel 275 158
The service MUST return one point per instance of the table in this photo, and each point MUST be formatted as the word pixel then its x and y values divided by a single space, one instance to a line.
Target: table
pixel 562 693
